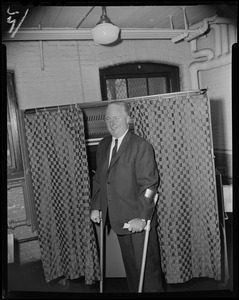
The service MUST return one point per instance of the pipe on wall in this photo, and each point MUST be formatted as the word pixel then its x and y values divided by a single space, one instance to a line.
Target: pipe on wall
pixel 221 57
pixel 218 42
pixel 224 35
pixel 208 53
pixel 207 65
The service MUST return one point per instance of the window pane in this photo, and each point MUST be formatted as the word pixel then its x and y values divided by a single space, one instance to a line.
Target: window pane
pixel 137 87
pixel 116 89
pixel 157 85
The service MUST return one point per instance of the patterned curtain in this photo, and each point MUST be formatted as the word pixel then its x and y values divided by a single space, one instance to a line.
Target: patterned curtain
pixel 59 168
pixel 178 126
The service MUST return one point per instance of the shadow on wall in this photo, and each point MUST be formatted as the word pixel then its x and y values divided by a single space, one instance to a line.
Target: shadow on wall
pixel 223 156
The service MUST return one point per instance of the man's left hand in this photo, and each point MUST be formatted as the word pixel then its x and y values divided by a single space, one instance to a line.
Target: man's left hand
pixel 136 225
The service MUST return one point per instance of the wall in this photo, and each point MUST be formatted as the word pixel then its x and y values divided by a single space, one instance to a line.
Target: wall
pixel 221 112
pixel 71 75
pixel 216 75
pixel 71 68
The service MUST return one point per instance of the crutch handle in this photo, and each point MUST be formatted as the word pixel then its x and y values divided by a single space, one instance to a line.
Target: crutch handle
pixel 126 226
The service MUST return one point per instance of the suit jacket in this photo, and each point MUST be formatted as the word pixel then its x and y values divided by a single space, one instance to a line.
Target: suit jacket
pixel 121 189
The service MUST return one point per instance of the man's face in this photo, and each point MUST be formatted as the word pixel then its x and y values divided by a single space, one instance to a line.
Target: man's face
pixel 117 120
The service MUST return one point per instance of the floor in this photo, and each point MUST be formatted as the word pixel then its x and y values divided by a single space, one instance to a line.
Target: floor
pixel 27 281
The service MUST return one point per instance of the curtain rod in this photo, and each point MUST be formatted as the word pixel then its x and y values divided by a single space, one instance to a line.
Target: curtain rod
pixel 168 95
pixel 105 102
pixel 49 108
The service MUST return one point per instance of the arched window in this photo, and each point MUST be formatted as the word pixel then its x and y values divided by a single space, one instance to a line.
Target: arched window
pixel 138 79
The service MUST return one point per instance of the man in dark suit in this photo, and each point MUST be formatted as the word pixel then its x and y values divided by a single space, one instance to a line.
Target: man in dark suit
pixel 124 186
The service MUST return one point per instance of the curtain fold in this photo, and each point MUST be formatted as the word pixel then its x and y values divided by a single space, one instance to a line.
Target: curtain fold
pixel 178 126
pixel 61 186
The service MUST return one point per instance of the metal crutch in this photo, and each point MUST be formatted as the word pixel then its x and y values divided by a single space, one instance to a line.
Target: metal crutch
pixel 146 239
pixel 101 253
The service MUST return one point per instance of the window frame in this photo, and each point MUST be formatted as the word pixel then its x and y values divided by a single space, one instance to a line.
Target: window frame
pixel 140 70
pixel 15 170
pixel 19 174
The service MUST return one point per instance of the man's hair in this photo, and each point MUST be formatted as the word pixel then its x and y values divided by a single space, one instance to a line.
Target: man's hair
pixel 122 104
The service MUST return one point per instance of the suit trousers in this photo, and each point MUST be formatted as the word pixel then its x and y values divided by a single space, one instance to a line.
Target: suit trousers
pixel 132 250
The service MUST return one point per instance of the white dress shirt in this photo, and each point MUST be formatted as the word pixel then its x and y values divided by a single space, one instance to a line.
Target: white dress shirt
pixel 120 139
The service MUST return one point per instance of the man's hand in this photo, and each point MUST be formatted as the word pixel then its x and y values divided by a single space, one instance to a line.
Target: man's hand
pixel 136 225
pixel 95 216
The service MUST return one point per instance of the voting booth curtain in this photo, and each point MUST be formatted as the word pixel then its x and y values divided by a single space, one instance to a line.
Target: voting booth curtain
pixel 59 171
pixel 179 128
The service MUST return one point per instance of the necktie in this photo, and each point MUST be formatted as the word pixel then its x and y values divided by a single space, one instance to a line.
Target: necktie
pixel 114 151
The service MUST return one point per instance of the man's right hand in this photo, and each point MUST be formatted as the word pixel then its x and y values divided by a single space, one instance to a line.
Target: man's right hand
pixel 95 216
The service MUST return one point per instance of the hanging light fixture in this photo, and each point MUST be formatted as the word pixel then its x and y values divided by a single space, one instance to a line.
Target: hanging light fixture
pixel 105 32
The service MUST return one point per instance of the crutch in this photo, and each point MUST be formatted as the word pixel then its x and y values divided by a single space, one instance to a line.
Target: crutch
pixel 146 239
pixel 101 253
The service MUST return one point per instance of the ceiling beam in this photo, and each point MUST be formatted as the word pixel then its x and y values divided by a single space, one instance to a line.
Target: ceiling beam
pixel 176 35
pixel 85 34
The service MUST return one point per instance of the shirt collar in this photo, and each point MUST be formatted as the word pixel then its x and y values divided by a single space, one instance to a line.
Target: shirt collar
pixel 120 138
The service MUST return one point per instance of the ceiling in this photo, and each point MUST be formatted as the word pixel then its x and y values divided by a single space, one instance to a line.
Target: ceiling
pixel 145 16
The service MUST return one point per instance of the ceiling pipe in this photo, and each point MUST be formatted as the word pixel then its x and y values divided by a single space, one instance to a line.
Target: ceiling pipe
pixel 185 18
pixel 189 34
pixel 84 17
pixel 200 31
pixel 213 20
pixel 41 50
pixel 171 22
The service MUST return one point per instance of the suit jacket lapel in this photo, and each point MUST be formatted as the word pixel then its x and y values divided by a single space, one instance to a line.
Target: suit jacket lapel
pixel 105 163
